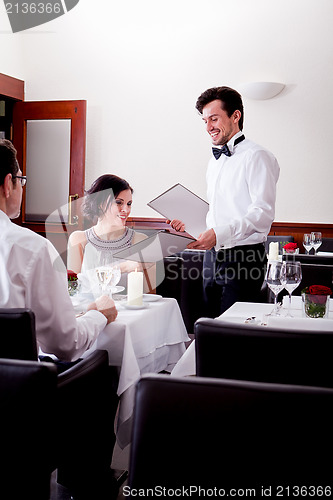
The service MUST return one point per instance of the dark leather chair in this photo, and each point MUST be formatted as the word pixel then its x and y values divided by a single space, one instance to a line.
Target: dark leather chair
pixel 86 397
pixel 262 354
pixel 183 281
pixel 17 334
pixel 191 433
pixel 281 239
pixel 26 466
pixel 87 405
pixel 326 245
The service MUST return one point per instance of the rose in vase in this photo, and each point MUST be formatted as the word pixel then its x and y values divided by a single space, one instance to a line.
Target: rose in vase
pixel 72 282
pixel 316 300
pixel 290 248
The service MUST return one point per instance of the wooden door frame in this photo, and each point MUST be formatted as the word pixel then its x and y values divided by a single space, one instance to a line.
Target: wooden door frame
pixel 75 111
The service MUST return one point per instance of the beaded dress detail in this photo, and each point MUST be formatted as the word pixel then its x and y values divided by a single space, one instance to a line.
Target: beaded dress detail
pixel 95 246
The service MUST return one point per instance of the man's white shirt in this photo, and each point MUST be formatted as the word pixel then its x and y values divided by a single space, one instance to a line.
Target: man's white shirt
pixel 241 192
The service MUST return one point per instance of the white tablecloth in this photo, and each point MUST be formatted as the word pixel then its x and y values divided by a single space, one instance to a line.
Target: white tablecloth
pixel 240 311
pixel 138 342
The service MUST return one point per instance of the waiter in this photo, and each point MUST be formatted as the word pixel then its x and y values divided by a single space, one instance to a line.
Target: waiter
pixel 241 190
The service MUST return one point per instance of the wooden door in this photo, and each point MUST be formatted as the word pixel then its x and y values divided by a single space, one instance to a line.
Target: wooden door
pixel 43 112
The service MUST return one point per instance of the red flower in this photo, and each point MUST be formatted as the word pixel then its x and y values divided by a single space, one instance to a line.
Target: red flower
pixel 319 293
pixel 319 290
pixel 71 276
pixel 290 246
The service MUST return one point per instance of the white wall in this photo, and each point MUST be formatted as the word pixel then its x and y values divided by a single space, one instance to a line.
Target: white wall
pixel 141 65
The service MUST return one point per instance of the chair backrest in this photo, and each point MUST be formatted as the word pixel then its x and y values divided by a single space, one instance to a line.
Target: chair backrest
pixel 17 334
pixel 262 354
pixel 26 387
pixel 315 274
pixel 281 239
pixel 86 393
pixel 207 433
pixel 326 245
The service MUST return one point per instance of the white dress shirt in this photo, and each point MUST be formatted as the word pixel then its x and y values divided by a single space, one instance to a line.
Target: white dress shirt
pixel 32 275
pixel 241 191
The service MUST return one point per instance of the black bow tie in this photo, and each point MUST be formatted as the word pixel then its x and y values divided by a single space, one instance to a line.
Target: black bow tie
pixel 217 152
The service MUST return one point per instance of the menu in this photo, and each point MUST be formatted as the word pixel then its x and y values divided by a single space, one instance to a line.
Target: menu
pixel 180 203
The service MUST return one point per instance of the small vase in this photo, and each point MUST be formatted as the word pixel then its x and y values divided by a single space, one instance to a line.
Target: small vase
pixel 73 287
pixel 315 306
pixel 290 252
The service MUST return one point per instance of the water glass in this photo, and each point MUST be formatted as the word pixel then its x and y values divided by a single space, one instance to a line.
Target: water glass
pixel 291 276
pixel 307 242
pixel 273 279
pixel 316 240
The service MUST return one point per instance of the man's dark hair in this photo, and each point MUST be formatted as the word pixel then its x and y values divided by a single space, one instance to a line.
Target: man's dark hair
pixel 101 193
pixel 230 98
pixel 8 162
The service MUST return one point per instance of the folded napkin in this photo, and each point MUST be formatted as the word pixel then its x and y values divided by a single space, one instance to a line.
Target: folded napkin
pixel 88 283
pixel 317 324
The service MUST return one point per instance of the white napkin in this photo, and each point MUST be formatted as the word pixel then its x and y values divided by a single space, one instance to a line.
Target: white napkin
pixel 88 283
pixel 318 324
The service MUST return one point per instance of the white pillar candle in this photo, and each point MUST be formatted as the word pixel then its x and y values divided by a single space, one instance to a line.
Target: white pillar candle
pixel 273 251
pixel 135 288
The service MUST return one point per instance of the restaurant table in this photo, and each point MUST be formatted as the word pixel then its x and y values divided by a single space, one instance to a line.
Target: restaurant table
pixel 241 311
pixel 141 341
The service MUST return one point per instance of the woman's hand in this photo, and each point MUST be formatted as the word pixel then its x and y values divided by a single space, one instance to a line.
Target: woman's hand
pixel 176 224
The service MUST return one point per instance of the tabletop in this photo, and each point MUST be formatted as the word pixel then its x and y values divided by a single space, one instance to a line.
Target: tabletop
pixel 151 339
pixel 258 313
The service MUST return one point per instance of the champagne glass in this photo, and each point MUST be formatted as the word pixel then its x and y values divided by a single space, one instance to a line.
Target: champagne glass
pixel 291 276
pixel 316 240
pixel 111 273
pixel 104 275
pixel 274 283
pixel 307 242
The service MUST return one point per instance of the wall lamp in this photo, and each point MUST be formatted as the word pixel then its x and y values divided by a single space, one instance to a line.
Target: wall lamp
pixel 261 90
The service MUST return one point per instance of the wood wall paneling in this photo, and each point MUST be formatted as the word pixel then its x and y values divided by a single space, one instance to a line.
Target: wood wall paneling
pixel 11 87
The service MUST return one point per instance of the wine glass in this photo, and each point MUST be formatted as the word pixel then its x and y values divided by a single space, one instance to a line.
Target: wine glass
pixel 291 276
pixel 104 275
pixel 307 242
pixel 274 283
pixel 108 272
pixel 316 240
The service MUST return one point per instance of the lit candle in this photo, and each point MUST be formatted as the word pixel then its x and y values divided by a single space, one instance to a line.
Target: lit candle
pixel 273 251
pixel 135 288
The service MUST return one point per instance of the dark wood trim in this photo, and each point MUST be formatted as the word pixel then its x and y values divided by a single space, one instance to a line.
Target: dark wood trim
pixel 297 229
pixel 52 110
pixel 11 87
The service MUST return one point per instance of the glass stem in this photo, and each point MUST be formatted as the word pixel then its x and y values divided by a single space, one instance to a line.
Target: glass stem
pixel 275 302
pixel 289 303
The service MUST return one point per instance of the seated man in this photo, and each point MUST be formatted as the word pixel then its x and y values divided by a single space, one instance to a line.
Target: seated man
pixel 33 276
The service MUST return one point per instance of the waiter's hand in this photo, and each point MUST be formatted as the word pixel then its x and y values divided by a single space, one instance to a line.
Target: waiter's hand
pixel 106 306
pixel 176 224
pixel 206 241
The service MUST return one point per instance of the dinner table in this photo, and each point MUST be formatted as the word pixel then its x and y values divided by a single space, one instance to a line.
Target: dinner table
pixel 259 313
pixel 142 339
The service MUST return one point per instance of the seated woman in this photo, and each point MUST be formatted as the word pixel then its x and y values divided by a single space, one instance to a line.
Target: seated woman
pixel 109 201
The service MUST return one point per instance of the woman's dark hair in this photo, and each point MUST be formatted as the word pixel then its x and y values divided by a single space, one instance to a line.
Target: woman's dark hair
pixel 101 194
pixel 230 98
pixel 8 161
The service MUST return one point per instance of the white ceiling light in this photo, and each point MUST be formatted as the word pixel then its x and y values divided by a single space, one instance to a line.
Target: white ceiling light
pixel 261 90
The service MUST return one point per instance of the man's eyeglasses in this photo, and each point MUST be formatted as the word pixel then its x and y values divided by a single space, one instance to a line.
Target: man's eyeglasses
pixel 23 179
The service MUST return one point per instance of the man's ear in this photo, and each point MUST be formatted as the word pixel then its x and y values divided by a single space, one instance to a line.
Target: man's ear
pixel 8 185
pixel 237 116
